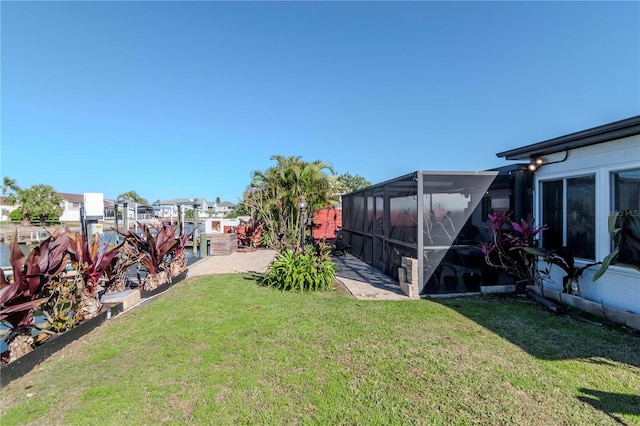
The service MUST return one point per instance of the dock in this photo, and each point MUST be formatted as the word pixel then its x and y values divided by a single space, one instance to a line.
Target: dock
pixel 24 237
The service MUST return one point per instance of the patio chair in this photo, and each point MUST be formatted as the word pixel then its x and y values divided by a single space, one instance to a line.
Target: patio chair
pixel 338 246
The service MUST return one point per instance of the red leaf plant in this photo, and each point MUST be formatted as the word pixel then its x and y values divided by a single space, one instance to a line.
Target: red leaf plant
pixel 19 296
pixel 179 262
pixel 154 251
pixel 508 249
pixel 91 262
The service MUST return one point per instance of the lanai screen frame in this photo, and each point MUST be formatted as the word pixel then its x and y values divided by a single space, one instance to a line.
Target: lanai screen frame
pixel 378 239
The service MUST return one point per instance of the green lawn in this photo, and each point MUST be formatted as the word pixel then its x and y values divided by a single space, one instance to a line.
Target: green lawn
pixel 221 350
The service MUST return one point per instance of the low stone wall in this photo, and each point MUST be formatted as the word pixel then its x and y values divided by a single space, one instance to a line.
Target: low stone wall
pixel 408 277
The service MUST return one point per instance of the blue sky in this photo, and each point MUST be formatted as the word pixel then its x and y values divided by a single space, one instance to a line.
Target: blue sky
pixel 186 99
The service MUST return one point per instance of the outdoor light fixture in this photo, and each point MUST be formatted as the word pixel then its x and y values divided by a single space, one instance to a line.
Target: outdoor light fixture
pixel 302 204
pixel 535 164
pixel 537 161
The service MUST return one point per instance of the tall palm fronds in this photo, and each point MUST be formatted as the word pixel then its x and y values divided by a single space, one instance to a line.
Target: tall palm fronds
pixel 274 194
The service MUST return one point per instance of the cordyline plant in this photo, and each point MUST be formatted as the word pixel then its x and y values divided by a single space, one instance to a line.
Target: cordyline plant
pixel 116 272
pixel 91 261
pixel 179 262
pixel 23 293
pixel 154 252
pixel 249 233
pixel 507 249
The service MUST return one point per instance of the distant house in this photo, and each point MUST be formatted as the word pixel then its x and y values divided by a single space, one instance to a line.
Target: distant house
pixel 226 207
pixel 221 209
pixel 5 209
pixel 201 206
pixel 71 204
pixel 580 180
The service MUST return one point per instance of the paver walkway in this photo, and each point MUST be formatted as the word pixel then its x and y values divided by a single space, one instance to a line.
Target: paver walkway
pixel 361 280
pixel 365 282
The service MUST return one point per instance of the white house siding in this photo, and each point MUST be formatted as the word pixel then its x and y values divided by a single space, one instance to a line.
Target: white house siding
pixel 70 212
pixel 619 287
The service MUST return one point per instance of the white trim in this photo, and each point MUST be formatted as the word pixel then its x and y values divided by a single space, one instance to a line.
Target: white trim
pixel 626 271
pixel 595 172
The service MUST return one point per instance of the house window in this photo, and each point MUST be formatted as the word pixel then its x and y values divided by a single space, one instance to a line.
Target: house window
pixel 626 191
pixel 568 211
pixel 626 201
pixel 75 206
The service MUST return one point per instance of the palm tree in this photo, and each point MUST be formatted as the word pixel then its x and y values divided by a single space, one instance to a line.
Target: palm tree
pixel 133 196
pixel 40 200
pixel 9 185
pixel 274 195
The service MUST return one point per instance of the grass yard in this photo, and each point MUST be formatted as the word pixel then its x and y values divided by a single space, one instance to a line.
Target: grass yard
pixel 221 350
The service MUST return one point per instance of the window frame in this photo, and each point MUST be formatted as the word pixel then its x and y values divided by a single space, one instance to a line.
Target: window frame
pixel 594 172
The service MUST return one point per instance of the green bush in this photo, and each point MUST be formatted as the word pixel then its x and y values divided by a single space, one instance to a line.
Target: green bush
pixel 309 270
pixel 15 215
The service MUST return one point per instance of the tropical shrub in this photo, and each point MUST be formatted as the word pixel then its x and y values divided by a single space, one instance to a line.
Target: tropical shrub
pixel 61 311
pixel 91 262
pixel 40 201
pixel 624 228
pixel 563 258
pixel 507 249
pixel 179 255
pixel 250 234
pixel 115 273
pixel 19 296
pixel 59 281
pixel 154 251
pixel 301 270
pixel 274 197
pixel 15 215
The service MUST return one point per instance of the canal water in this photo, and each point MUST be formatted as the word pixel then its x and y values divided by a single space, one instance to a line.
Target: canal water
pixel 107 237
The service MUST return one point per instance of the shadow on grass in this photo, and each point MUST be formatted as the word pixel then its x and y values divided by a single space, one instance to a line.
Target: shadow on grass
pixel 549 336
pixel 613 404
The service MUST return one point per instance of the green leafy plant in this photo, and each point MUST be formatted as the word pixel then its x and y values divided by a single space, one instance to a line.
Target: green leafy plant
pixel 39 201
pixel 273 197
pixel 61 310
pixel 307 270
pixel 563 258
pixel 624 228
